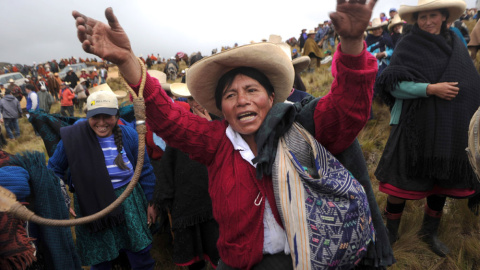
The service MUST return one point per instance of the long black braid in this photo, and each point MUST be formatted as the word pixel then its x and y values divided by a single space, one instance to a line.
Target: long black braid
pixel 117 136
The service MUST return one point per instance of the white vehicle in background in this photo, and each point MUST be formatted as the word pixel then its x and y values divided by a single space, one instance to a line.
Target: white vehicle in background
pixel 77 68
pixel 16 76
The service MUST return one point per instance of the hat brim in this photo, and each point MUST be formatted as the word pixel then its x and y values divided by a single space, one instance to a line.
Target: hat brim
pixel 109 111
pixel 377 26
pixel 268 58
pixel 300 63
pixel 180 90
pixel 455 9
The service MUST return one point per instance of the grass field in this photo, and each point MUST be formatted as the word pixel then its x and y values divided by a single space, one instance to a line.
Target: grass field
pixel 459 230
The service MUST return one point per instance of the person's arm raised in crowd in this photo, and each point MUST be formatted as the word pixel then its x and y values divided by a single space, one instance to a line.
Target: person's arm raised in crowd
pixel 350 21
pixel 109 42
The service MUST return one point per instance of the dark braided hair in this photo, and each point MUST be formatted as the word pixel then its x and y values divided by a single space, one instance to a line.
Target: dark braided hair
pixel 117 136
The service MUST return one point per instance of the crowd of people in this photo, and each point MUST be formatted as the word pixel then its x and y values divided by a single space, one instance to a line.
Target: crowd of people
pixel 243 166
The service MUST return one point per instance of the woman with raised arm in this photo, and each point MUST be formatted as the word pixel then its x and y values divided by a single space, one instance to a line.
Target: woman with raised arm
pixel 247 87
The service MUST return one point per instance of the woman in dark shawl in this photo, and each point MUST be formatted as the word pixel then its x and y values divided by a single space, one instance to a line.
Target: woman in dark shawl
pixel 432 87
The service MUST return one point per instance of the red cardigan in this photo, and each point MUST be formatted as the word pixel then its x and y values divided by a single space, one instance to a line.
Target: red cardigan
pixel 338 117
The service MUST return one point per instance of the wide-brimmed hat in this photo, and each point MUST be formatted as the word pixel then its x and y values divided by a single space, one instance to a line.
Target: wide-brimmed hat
pixel 299 63
pixel 311 32
pixel 455 8
pixel 376 23
pixel 268 58
pixel 180 90
pixel 82 80
pixel 102 102
pixel 105 87
pixel 275 39
pixel 11 81
pixel 395 21
pixel 161 77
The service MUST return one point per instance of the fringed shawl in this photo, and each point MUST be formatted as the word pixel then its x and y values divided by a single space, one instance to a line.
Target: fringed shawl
pixel 436 128
pixel 56 242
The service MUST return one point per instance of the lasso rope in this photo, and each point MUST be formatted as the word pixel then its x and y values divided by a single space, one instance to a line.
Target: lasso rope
pixel 8 202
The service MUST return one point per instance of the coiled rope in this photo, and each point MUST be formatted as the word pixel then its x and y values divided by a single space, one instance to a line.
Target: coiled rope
pixel 8 202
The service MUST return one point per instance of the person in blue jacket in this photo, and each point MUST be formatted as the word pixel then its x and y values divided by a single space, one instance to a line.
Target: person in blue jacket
pixel 101 155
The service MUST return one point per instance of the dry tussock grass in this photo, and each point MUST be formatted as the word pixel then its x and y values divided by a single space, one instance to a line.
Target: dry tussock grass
pixel 460 229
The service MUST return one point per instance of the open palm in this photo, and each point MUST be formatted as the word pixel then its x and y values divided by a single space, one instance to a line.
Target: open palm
pixel 351 18
pixel 109 42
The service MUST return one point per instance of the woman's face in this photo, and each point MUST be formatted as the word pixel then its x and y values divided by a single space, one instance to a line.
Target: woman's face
pixel 431 21
pixel 398 28
pixel 377 32
pixel 103 124
pixel 245 105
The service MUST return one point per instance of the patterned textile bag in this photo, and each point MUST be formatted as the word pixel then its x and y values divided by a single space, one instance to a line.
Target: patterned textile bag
pixel 473 151
pixel 323 208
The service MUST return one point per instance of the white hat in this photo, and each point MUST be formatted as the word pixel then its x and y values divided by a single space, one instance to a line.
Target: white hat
pixel 268 58
pixel 395 21
pixel 102 102
pixel 376 23
pixel 180 90
pixel 455 9
pixel 105 87
pixel 161 77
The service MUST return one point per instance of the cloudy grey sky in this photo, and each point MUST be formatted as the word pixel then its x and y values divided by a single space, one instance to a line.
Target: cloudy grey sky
pixel 44 30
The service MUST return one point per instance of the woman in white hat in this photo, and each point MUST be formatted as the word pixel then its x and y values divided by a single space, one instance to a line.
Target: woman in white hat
pixel 432 87
pixel 101 155
pixel 395 27
pixel 379 44
pixel 247 87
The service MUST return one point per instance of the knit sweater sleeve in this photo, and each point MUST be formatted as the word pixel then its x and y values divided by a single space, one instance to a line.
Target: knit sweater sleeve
pixel 343 112
pixel 181 129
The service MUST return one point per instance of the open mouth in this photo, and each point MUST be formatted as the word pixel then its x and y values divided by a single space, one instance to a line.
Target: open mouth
pixel 246 116
pixel 101 129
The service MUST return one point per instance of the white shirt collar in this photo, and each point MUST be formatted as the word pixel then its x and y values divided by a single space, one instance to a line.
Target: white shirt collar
pixel 240 144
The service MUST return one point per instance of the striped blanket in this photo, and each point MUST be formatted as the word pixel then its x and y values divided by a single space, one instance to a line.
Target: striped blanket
pixel 323 208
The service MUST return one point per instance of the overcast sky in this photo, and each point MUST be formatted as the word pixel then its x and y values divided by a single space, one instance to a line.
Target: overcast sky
pixel 44 30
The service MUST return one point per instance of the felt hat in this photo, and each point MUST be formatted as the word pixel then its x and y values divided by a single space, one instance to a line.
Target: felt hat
pixel 268 58
pixel 376 23
pixel 395 21
pixel 455 8
pixel 180 90
pixel 11 81
pixel 299 63
pixel 311 32
pixel 275 39
pixel 82 80
pixel 161 77
pixel 105 87
pixel 102 102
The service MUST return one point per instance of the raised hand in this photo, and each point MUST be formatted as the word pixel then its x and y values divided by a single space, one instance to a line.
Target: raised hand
pixel 109 42
pixel 350 21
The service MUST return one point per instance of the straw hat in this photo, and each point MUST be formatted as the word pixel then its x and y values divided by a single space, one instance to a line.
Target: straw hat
pixel 376 23
pixel 82 80
pixel 268 58
pixel 161 77
pixel 180 90
pixel 299 63
pixel 311 32
pixel 395 21
pixel 104 87
pixel 455 8
pixel 275 39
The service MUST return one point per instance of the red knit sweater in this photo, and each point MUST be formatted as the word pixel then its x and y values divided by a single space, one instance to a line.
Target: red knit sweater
pixel 338 117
